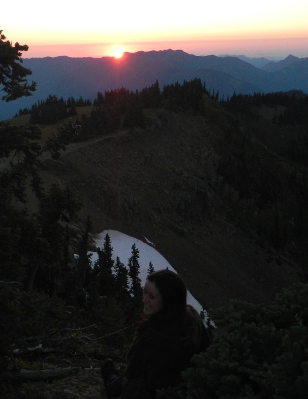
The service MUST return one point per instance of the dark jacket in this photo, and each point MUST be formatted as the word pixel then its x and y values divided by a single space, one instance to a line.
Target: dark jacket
pixel 161 351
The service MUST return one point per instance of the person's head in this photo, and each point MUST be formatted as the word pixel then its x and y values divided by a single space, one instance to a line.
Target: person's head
pixel 164 292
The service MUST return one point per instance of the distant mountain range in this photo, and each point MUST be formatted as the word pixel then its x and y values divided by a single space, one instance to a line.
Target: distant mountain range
pixel 84 77
pixel 266 64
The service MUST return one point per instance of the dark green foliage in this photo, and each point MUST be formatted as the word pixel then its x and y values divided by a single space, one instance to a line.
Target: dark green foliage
pixel 123 108
pixel 57 142
pixel 151 97
pixel 272 185
pixel 291 109
pixel 56 331
pixel 104 266
pixel 83 265
pixel 11 232
pixel 30 245
pixel 133 272
pixel 121 284
pixel 21 140
pixel 151 268
pixel 44 303
pixel 64 308
pixel 186 96
pixel 57 207
pixel 119 108
pixel 25 315
pixel 53 109
pixel 101 121
pixel 20 146
pixel 49 111
pixel 262 355
pixel 42 240
pixel 13 76
pixel 112 107
pixel 295 103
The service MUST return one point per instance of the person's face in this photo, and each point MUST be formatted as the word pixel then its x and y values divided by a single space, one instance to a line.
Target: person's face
pixel 151 298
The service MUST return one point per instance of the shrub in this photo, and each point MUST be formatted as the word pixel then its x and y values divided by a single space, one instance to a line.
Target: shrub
pixel 263 355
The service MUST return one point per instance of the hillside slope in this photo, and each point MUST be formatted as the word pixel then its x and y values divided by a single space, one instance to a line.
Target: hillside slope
pixel 162 183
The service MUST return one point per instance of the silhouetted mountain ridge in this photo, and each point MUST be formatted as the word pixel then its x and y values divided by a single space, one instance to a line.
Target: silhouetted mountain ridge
pixel 257 62
pixel 75 77
pixel 276 66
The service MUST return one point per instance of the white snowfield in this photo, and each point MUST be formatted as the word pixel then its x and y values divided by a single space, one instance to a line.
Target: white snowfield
pixel 122 248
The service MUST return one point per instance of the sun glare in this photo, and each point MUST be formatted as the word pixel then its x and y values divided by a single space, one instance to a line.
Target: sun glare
pixel 118 52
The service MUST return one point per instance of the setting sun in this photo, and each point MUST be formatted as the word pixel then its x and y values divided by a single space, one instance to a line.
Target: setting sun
pixel 118 52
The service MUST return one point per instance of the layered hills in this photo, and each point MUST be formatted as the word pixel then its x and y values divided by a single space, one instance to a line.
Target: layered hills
pixel 84 77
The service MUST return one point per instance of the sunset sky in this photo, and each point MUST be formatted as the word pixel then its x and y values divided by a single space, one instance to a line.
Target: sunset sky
pixel 269 28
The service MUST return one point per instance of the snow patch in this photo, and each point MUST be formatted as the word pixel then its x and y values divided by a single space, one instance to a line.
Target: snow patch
pixel 122 247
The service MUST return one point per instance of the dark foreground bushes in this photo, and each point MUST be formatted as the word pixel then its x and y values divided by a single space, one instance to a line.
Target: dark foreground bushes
pixel 263 355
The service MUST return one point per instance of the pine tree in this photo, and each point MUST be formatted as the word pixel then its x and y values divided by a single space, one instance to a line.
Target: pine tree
pixel 134 270
pixel 12 73
pixel 105 264
pixel 108 250
pixel 121 282
pixel 151 268
pixel 84 263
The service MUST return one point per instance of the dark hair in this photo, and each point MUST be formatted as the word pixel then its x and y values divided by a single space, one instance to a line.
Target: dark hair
pixel 173 292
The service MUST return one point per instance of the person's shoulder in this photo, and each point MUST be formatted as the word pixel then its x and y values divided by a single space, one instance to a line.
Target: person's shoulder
pixel 190 309
pixel 192 314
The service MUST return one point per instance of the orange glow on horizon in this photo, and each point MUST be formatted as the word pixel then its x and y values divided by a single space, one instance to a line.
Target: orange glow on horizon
pixel 118 52
pixel 272 48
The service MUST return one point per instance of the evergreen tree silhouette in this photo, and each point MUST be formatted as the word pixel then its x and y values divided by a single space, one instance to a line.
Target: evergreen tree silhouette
pixel 105 264
pixel 133 271
pixel 151 268
pixel 121 282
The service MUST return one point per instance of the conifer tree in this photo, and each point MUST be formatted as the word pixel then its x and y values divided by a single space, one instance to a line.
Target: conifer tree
pixel 108 250
pixel 134 270
pixel 12 73
pixel 121 282
pixel 105 264
pixel 151 268
pixel 84 264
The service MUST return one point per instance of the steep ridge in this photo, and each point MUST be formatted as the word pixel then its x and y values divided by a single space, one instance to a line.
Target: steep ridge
pixel 161 182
